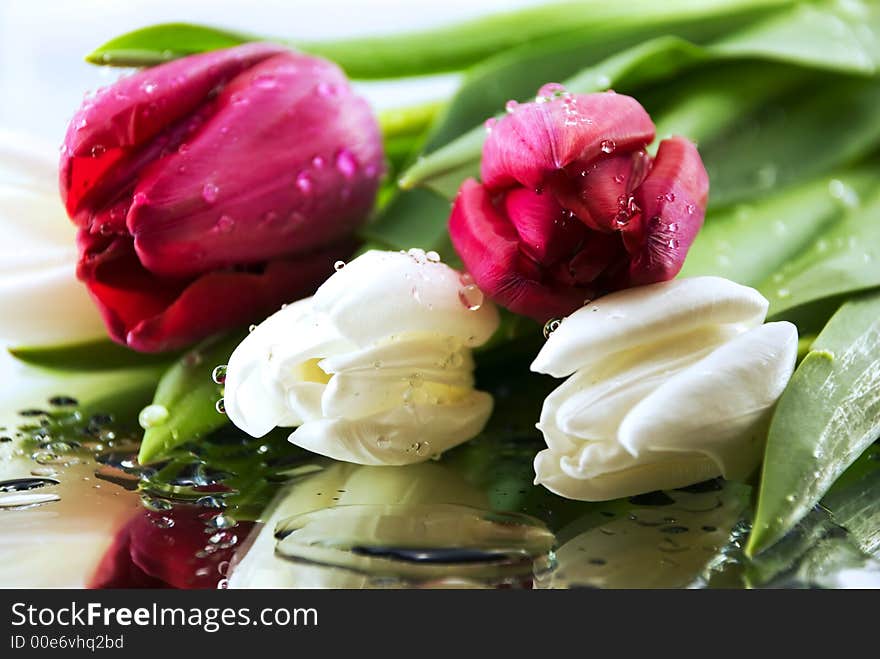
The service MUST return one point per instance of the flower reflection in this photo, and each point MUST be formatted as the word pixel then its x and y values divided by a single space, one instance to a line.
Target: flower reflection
pixel 399 526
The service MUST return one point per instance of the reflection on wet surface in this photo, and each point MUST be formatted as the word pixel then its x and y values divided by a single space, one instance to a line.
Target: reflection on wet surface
pixel 233 511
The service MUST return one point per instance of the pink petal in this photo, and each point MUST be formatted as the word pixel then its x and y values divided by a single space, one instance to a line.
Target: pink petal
pixel 288 162
pixel 538 139
pixel 489 246
pixel 109 128
pixel 154 314
pixel 547 233
pixel 673 201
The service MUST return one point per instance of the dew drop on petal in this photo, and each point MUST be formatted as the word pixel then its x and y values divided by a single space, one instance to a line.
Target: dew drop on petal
pixel 607 146
pixel 346 163
pixel 210 192
pixel 220 406
pixel 551 326
pixel 471 297
pixel 432 256
pixel 511 106
pixel 304 182
pixel 339 265
pixel 225 224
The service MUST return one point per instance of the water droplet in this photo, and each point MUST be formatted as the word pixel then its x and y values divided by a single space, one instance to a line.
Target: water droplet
pixel 218 375
pixel 264 81
pixel 162 521
pixel 766 175
pixel 327 89
pixel 672 244
pixel 222 521
pixel 139 199
pixel 783 293
pixel 210 192
pixel 339 265
pixel 471 297
pixel 149 87
pixel 432 256
pixel 550 91
pixel 225 224
pixel 304 182
pixel 691 209
pixel 153 415
pixel 155 504
pixel 619 178
pixel 843 193
pixel 63 401
pixel 220 406
pixel 383 442
pixel 551 326
pixel 25 500
pixel 251 328
pixel 511 106
pixel 346 163
pixel 607 146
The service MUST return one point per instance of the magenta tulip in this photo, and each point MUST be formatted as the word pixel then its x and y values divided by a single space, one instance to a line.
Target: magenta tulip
pixel 571 206
pixel 212 189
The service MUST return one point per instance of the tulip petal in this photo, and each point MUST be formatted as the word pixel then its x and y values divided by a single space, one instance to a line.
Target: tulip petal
pixel 151 314
pixel 110 127
pixel 718 405
pixel 538 139
pixel 629 318
pixel 673 203
pixel 677 470
pixel 547 233
pixel 599 193
pixel 489 247
pixel 401 435
pixel 273 191
pixel 427 298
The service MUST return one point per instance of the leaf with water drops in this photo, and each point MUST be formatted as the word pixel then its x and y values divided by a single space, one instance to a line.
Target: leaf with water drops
pixel 828 415
pixel 184 406
pixel 750 243
pixel 844 259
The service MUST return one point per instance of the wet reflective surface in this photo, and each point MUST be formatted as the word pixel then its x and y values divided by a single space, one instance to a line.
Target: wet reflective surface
pixel 232 511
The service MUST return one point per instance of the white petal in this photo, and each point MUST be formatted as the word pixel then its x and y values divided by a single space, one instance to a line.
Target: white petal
pixel 646 314
pixel 380 295
pixel 675 470
pixel 401 435
pixel 718 406
pixel 254 402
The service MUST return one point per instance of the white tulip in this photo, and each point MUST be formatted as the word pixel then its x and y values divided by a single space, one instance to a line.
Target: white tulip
pixel 40 297
pixel 375 368
pixel 671 384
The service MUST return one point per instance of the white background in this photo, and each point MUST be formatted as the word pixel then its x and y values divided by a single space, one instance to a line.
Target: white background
pixel 42 43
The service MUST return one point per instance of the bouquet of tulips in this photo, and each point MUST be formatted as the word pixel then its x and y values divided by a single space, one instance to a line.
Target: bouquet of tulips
pixel 639 244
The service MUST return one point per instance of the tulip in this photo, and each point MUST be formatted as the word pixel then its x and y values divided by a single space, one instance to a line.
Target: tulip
pixel 375 369
pixel 211 189
pixel 671 384
pixel 571 206
pixel 41 299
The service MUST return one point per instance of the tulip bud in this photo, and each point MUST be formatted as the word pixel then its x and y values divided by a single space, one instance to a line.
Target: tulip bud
pixel 375 369
pixel 670 384
pixel 211 189
pixel 571 206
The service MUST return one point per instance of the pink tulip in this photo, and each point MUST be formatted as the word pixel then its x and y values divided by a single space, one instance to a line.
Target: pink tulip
pixel 571 206
pixel 211 189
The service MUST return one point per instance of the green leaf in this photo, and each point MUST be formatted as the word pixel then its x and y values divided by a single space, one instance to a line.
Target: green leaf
pixel 160 43
pixel 189 395
pixel 448 48
pixel 843 259
pixel 828 415
pixel 750 243
pixel 99 355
